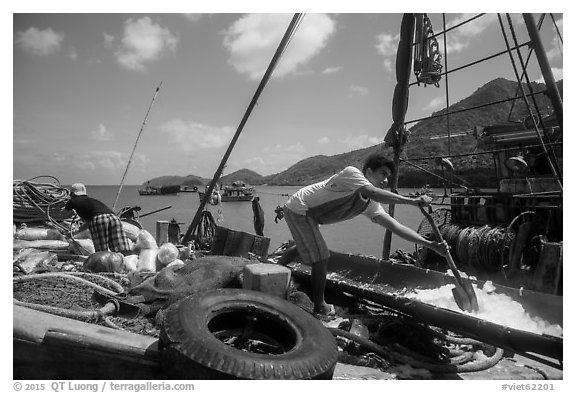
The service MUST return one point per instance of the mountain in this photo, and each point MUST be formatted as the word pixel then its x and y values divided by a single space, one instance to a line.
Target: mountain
pixel 245 175
pixel 423 141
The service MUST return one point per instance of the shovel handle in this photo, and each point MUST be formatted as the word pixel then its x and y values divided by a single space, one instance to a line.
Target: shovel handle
pixel 449 259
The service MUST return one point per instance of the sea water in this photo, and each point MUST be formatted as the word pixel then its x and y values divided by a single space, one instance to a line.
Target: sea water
pixel 357 236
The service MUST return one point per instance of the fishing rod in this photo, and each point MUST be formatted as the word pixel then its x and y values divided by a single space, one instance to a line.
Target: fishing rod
pixel 136 143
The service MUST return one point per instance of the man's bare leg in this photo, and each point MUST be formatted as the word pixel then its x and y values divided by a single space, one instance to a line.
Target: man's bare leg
pixel 319 285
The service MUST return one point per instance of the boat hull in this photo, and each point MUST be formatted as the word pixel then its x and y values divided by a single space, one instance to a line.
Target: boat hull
pixel 229 198
pixel 232 198
pixel 47 346
pixel 164 190
pixel 385 282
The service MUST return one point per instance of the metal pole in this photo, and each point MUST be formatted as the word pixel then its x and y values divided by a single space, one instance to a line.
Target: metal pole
pixel 287 36
pixel 551 86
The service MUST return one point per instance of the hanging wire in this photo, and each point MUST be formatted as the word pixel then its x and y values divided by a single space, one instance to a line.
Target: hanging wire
pixel 475 107
pixel 446 30
pixel 440 156
pixel 530 51
pixel 525 98
pixel 447 100
pixel 536 106
pixel 557 30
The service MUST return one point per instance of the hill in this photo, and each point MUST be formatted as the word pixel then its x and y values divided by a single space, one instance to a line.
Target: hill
pixel 190 180
pixel 423 141
pixel 477 169
pixel 245 175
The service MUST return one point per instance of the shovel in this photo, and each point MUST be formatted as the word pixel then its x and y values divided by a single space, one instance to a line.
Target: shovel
pixel 464 292
pixel 116 305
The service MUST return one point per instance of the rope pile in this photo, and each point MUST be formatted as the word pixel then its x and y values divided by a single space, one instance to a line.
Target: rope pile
pixel 480 247
pixel 37 202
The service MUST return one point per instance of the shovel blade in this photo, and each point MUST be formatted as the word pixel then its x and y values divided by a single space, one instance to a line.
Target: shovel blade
pixel 465 298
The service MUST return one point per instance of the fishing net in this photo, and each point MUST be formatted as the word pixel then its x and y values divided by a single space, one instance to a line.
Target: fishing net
pixel 65 294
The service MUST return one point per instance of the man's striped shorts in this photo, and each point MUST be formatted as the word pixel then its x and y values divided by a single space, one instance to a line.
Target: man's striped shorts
pixel 306 233
pixel 107 233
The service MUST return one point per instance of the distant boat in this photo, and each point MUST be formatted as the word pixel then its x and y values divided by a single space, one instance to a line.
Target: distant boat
pixel 184 188
pixel 162 190
pixel 238 191
pixel 426 190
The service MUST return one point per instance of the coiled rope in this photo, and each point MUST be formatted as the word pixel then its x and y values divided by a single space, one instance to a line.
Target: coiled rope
pixel 480 247
pixel 36 202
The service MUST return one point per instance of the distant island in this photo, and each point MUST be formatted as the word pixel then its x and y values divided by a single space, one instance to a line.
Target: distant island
pixel 475 169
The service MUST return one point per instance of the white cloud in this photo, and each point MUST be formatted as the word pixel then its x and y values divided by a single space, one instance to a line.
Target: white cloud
pixel 110 161
pixel 192 136
pixel 558 74
pixel 556 49
pixel 143 42
pixel 253 39
pixel 462 36
pixel 360 141
pixel 59 157
pixel 40 42
pixel 331 70
pixel 387 46
pixel 279 157
pixel 356 90
pixel 72 54
pixel 108 39
pixel 102 134
pixel 297 148
pixel 194 17
pixel 324 140
pixel 435 103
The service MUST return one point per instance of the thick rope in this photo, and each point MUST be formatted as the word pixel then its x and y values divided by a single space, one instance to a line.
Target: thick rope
pixel 32 201
pixel 390 354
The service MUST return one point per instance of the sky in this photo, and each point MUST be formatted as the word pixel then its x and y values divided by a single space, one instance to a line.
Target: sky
pixel 85 107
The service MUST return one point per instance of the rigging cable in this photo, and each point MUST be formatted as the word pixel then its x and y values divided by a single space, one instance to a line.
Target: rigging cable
pixel 557 30
pixel 447 102
pixel 525 98
pixel 530 51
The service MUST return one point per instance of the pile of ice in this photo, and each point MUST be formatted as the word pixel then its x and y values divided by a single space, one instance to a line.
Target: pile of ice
pixel 493 307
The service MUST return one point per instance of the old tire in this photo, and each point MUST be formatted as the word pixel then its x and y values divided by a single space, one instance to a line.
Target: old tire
pixel 195 330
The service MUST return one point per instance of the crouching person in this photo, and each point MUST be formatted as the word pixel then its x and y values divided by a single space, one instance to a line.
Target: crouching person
pixel 105 226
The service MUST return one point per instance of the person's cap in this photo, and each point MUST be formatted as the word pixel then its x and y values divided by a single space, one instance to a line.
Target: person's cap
pixel 78 189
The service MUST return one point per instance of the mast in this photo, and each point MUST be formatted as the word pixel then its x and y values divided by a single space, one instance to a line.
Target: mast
pixel 296 19
pixel 396 134
pixel 551 86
